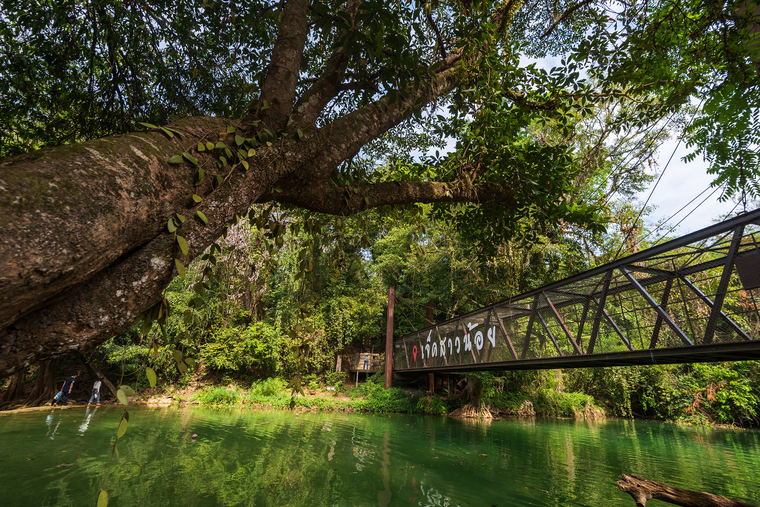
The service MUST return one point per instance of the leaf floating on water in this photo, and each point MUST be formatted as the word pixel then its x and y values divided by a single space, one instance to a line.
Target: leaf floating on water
pixel 103 498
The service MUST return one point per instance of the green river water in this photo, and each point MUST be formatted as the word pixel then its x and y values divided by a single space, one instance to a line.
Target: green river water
pixel 275 458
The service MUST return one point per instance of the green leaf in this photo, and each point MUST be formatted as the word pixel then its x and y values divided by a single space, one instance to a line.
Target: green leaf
pixel 177 355
pixel 150 126
pixel 121 397
pixel 171 225
pixel 202 216
pixel 220 146
pixel 197 198
pixel 151 376
pixel 300 134
pixel 199 177
pixel 230 129
pixel 182 367
pixel 201 147
pixel 190 361
pixel 179 217
pixel 180 268
pixel 245 165
pixel 219 180
pixel 242 154
pixel 176 159
pixel 167 132
pixel 251 152
pixel 182 245
pixel 209 146
pixel 239 140
pixel 103 498
pixel 190 158
pixel 127 390
pixel 122 428
pixel 180 134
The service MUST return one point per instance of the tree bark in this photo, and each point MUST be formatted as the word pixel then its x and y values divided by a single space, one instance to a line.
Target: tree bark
pixel 44 385
pixel 15 389
pixel 642 490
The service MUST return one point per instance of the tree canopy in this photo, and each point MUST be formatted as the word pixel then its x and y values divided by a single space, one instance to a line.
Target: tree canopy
pixel 135 133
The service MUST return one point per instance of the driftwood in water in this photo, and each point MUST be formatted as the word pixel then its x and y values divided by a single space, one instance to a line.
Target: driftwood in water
pixel 642 490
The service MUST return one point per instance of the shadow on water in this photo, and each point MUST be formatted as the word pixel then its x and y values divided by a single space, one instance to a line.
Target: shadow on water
pixel 278 458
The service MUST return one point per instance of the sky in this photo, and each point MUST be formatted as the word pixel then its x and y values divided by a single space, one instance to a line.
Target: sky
pixel 681 182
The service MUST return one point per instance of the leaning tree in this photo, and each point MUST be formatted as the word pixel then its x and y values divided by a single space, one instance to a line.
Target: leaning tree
pixel 134 133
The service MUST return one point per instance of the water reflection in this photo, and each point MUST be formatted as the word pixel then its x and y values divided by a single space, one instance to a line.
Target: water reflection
pixel 273 458
pixel 51 430
pixel 87 418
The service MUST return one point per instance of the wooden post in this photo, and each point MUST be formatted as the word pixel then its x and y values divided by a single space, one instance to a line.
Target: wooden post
pixel 389 340
pixel 429 321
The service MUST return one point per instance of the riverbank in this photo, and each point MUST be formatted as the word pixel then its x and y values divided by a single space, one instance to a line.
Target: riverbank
pixel 372 397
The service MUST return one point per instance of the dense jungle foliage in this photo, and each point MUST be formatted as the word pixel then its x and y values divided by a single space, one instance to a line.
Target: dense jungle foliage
pixel 267 310
pixel 254 347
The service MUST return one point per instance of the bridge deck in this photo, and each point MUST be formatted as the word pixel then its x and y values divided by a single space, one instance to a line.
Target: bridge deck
pixel 693 299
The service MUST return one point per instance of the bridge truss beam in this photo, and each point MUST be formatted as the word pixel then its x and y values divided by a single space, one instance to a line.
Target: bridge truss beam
pixel 692 299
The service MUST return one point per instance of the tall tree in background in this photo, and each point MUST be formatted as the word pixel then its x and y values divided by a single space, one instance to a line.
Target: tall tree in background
pixel 290 101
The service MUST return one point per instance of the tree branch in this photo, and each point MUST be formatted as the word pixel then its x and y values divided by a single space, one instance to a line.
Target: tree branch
pixel 279 86
pixel 564 16
pixel 643 490
pixel 327 86
pixel 326 197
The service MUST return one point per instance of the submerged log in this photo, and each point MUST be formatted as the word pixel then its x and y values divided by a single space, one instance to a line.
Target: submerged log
pixel 642 490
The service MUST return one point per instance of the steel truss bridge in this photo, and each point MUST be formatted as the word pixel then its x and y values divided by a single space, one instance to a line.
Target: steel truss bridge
pixel 692 299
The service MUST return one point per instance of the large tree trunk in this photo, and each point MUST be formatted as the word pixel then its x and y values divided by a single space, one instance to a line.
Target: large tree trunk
pixel 642 490
pixel 15 389
pixel 84 245
pixel 44 385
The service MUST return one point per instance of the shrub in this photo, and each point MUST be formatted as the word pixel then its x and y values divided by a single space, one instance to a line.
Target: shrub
pixel 273 386
pixel 219 396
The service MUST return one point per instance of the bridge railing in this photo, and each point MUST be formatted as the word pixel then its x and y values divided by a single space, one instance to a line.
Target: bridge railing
pixel 690 299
